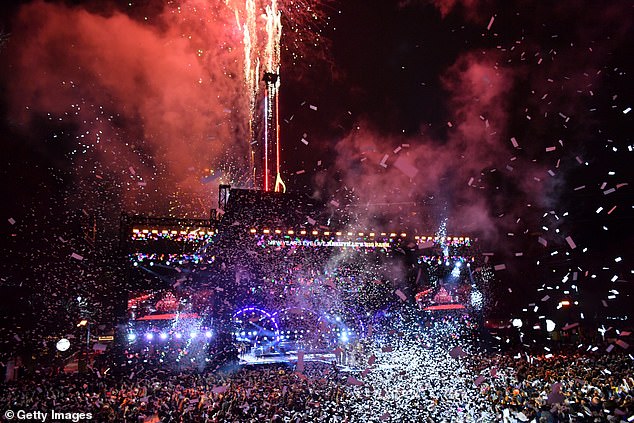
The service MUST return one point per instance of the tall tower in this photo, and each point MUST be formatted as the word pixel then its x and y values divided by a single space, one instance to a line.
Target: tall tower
pixel 272 177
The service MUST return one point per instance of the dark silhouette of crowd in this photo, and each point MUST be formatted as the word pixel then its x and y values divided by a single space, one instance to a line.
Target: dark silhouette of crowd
pixel 562 387
pixel 571 386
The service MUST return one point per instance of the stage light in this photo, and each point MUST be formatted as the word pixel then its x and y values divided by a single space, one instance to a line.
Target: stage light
pixel 208 334
pixel 178 335
pixel 131 337
pixel 458 264
pixel 517 323
pixel 149 336
pixel 163 336
pixel 344 337
pixel 62 345
pixel 550 325
pixel 193 334
pixel 455 272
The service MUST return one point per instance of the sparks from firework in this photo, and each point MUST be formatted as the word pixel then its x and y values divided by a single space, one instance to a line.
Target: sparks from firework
pixel 261 43
pixel 261 25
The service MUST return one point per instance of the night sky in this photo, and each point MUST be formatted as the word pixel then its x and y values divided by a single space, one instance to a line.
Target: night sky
pixel 509 121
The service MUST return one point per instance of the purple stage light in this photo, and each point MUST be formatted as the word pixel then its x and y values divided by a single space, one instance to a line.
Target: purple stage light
pixel 265 313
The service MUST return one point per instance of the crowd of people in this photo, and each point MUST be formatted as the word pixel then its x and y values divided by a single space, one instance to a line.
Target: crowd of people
pixel 559 387
pixel 571 386
pixel 271 393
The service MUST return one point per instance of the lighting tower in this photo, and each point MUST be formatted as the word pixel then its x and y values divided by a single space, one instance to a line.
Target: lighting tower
pixel 272 178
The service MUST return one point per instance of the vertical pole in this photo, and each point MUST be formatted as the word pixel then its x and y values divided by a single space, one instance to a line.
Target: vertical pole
pixel 266 140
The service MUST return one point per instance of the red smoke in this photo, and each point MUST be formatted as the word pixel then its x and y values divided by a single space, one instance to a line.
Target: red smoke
pixel 403 171
pixel 537 89
pixel 163 98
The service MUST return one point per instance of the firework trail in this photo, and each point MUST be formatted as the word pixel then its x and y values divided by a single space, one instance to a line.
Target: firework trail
pixel 261 27
pixel 260 23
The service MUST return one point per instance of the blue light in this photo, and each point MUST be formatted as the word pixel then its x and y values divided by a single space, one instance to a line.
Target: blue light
pixel 455 272
pixel 208 334
pixel 163 336
pixel 178 335
pixel 131 337
pixel 149 336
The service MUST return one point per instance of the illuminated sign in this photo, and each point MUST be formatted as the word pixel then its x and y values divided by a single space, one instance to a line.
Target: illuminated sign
pixel 329 243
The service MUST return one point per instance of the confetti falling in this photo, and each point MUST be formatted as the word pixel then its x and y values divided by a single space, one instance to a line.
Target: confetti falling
pixel 511 131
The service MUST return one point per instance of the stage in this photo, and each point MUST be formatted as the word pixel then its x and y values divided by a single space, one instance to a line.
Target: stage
pixel 291 358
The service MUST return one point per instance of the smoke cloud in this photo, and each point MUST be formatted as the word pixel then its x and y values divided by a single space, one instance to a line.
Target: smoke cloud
pixel 396 177
pixel 518 113
pixel 158 107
